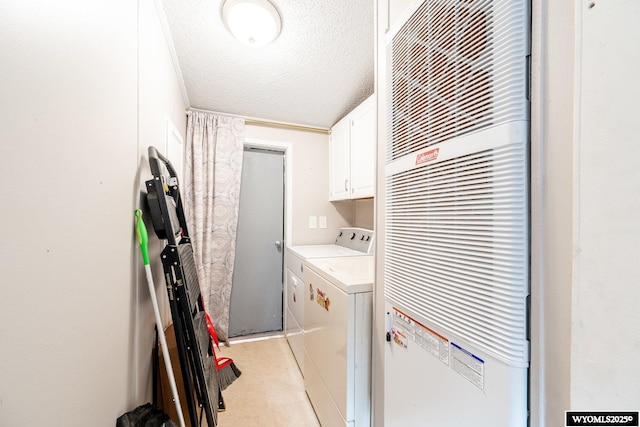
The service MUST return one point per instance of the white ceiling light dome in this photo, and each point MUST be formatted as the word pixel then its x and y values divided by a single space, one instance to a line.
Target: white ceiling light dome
pixel 255 23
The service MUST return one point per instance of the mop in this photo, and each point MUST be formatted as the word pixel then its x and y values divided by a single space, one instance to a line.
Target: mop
pixel 143 239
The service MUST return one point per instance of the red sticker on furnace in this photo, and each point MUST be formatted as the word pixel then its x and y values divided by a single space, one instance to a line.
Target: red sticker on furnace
pixel 427 156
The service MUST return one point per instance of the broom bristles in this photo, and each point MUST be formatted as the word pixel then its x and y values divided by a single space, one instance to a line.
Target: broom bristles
pixel 227 375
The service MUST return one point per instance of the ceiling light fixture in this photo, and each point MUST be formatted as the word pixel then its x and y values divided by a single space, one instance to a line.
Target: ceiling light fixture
pixel 255 23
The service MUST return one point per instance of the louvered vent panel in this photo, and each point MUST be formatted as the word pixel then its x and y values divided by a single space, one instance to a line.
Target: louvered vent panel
pixel 456 248
pixel 451 66
pixel 456 231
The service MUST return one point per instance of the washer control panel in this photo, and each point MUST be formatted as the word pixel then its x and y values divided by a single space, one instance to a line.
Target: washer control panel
pixel 359 239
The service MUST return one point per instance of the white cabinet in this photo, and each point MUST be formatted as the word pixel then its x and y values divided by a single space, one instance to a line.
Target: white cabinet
pixel 363 143
pixel 339 168
pixel 352 154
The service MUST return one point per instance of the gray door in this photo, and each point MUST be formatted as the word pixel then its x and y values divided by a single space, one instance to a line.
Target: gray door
pixel 256 293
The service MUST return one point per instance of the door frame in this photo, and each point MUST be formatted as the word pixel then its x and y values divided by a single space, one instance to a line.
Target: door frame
pixel 287 149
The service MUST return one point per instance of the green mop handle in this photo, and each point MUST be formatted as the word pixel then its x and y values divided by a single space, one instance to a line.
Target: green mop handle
pixel 143 236
pixel 143 239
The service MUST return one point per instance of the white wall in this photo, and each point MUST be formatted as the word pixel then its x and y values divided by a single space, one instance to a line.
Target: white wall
pixel 161 98
pixel 363 213
pixel 75 342
pixel 310 184
pixel 552 145
pixel 585 208
pixel 605 336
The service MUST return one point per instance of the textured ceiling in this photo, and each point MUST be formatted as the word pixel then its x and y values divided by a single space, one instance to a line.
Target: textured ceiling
pixel 319 68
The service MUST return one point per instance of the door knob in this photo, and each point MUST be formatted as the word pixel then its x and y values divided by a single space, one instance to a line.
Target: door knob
pixel 279 245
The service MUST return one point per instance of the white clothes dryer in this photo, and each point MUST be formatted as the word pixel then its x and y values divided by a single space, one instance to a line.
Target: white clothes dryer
pixel 337 339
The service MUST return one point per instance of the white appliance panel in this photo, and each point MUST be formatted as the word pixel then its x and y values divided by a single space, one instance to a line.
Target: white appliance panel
pixel 323 404
pixel 328 332
pixel 351 275
pixel 322 251
pixel 337 342
pixel 424 391
pixel 456 220
pixel 294 314
pixel 294 262
pixel 295 296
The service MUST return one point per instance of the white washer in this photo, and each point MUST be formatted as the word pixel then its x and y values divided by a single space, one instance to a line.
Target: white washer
pixel 350 242
pixel 337 339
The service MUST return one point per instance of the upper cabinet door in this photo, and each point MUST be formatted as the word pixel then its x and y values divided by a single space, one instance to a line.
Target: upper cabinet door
pixel 339 157
pixel 363 159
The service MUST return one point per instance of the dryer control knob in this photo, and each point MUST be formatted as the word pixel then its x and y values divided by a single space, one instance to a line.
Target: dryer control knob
pixel 353 236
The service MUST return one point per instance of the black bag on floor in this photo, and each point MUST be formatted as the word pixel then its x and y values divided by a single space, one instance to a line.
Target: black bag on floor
pixel 145 415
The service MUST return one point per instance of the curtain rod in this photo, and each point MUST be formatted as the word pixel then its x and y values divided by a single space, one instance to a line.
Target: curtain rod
pixel 269 123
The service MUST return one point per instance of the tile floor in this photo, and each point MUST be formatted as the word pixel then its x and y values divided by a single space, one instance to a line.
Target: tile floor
pixel 270 391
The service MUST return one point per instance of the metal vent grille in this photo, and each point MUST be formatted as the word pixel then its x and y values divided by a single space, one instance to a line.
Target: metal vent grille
pixel 456 231
pixel 450 65
pixel 456 251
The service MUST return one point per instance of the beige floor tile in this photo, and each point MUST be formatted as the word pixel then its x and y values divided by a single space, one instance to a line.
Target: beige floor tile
pixel 270 391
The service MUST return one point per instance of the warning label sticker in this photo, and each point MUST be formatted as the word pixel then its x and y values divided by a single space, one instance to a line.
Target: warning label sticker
pixel 468 365
pixel 399 337
pixel 435 344
pixel 412 330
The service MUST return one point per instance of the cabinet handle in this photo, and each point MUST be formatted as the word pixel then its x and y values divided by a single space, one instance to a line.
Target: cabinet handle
pixel 346 185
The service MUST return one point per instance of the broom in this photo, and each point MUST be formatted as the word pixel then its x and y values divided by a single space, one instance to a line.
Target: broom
pixel 143 239
pixel 227 370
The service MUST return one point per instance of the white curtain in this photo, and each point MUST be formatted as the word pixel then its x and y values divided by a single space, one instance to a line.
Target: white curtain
pixel 212 173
